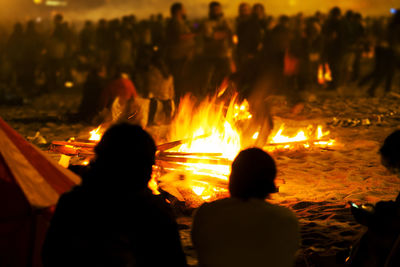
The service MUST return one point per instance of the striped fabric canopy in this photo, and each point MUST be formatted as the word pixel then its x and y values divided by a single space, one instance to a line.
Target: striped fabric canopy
pixel 39 177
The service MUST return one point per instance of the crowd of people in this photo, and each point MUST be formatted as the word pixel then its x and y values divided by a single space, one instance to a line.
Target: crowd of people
pixel 167 58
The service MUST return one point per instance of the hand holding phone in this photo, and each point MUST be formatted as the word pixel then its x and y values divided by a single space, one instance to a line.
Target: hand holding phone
pixel 361 214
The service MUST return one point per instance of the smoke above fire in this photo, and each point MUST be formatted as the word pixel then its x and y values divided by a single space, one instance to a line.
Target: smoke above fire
pixel 95 9
pixel 199 8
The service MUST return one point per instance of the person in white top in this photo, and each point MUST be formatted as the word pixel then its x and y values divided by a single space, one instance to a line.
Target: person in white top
pixel 246 230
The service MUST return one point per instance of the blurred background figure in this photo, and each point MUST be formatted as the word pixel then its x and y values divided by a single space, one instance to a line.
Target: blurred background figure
pixel 180 47
pixel 217 51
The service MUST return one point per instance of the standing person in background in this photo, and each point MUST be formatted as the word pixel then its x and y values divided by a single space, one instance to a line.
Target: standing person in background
pixel 180 47
pixel 125 47
pixel 102 42
pixel 243 32
pixel 32 54
pixel 217 51
pixel 87 39
pixel 387 56
pixel 92 91
pixel 313 46
pixel 334 49
pixel 251 35
pixel 56 53
pixel 158 31
pixel 359 32
pixel 277 47
pixel 14 53
pixel 244 229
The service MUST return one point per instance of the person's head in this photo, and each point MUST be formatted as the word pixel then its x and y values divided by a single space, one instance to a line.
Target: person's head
pixel 253 174
pixel 178 11
pixel 335 13
pixel 215 10
pixel 30 26
pixel 390 152
pixel 128 153
pixel 396 17
pixel 258 11
pixel 244 10
pixel 58 19
pixel 313 29
pixel 349 15
pixel 88 24
pixel 102 23
pixel 284 20
pixel 358 17
pixel 18 28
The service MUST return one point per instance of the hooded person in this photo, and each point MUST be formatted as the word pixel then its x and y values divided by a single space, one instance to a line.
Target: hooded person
pixel 112 218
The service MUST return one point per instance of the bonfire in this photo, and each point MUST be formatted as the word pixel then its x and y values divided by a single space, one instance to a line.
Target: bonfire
pixel 204 139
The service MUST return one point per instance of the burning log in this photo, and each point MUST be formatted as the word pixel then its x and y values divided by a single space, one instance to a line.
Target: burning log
pixel 174 144
pixel 214 161
pixel 303 142
pixel 74 144
pixel 184 154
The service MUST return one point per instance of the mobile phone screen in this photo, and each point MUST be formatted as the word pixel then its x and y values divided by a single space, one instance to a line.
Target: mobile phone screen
pixel 354 205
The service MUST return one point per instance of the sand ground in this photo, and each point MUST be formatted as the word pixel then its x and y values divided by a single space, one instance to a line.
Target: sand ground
pixel 318 182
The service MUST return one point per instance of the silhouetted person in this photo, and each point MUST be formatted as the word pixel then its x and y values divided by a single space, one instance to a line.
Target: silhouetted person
pixel 383 221
pixel 358 32
pixel 87 39
pixel 334 45
pixel 277 48
pixel 56 54
pixel 102 41
pixel 217 51
pixel 312 43
pixel 112 218
pixel 387 55
pixel 179 47
pixel 244 31
pixel 251 31
pixel 15 53
pixel 245 230
pixel 92 90
pixel 33 46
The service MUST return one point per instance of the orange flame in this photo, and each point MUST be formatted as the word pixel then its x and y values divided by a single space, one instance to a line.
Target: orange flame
pixel 303 137
pixel 96 134
pixel 324 74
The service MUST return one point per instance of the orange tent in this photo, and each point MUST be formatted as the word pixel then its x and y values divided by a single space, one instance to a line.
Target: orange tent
pixel 30 183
